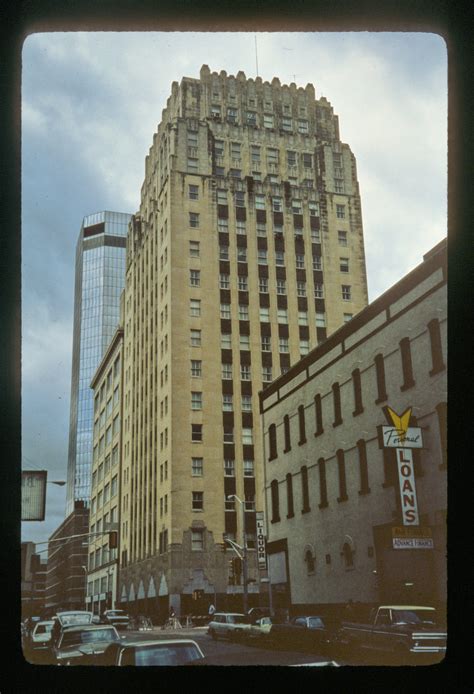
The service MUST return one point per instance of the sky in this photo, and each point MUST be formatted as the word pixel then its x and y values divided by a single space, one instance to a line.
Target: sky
pixel 91 102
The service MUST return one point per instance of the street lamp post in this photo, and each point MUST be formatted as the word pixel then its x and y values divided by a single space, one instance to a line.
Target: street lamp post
pixel 244 550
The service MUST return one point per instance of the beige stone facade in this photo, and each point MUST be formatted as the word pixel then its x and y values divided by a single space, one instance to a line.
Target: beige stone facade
pixel 102 574
pixel 332 491
pixel 246 252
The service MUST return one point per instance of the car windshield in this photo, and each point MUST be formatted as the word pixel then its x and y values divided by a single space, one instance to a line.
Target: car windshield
pixel 73 638
pixel 167 654
pixel 116 613
pixel 76 618
pixel 414 616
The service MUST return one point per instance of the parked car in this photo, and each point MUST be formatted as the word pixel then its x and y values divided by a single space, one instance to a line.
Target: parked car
pixel 407 632
pixel 260 628
pixel 118 618
pixel 41 635
pixel 228 625
pixel 81 644
pixel 68 618
pixel 308 632
pixel 158 652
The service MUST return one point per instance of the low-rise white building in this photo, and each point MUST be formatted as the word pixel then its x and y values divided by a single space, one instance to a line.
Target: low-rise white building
pixel 335 530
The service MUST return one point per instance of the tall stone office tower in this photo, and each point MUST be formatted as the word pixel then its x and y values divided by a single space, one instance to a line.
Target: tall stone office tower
pixel 246 251
pixel 99 281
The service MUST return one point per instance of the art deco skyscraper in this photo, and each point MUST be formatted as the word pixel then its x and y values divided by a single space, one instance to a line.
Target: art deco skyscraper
pixel 247 250
pixel 99 281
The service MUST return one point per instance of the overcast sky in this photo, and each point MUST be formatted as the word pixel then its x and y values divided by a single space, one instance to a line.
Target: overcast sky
pixel 90 105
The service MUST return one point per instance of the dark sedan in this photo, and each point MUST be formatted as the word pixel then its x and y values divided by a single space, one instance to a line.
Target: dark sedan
pixel 309 632
pixel 146 653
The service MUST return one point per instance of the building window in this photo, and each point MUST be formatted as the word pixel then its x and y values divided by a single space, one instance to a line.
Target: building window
pixel 249 470
pixel 303 127
pixel 224 281
pixel 282 315
pixel 315 236
pixel 235 173
pixel 244 342
pixel 266 343
pixel 255 153
pixel 279 258
pixel 235 150
pixel 195 278
pixel 198 501
pixel 196 401
pixel 193 192
pixel 336 394
pixel 302 318
pixel 317 262
pixel 197 467
pixel 228 434
pixel 243 283
pixel 318 290
pixel 267 121
pixel 323 490
pixel 218 144
pixel 195 308
pixel 289 496
pixel 197 540
pixel 263 285
pixel 307 160
pixel 246 403
pixel 283 346
pixel 341 470
pixel 262 256
pixel 196 433
pixel 194 220
pixel 286 429
pixel 363 468
pixel 320 320
pixel 338 186
pixel 243 312
pixel 356 382
pixel 223 225
pixel 227 404
pixel 264 314
pixel 380 376
pixel 195 338
pixel 192 165
pixel 259 202
pixel 275 501
pixel 272 155
pixel 276 203
pixel 301 424
pixel 344 264
pixel 407 367
pixel 232 115
pixel 261 229
pixel 347 555
pixel 240 228
pixel 342 238
pixel 196 368
pixel 346 292
pixel 281 287
pixel 251 118
pixel 223 252
pixel 226 341
pixel 437 361
pixel 301 289
pixel 225 311
pixel 227 372
pixel 244 372
pixel 247 436
pixel 340 211
pixel 442 411
pixel 272 440
pixel 305 489
pixel 229 468
pixel 318 415
pixel 266 374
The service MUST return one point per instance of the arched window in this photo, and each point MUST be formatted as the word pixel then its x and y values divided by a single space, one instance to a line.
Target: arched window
pixel 272 442
pixel 348 555
pixel 286 427
pixel 310 561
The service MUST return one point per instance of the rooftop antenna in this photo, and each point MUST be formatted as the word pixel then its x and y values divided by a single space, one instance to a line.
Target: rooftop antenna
pixel 256 56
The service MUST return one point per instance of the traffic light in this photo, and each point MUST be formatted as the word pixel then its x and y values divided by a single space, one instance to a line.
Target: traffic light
pixel 113 539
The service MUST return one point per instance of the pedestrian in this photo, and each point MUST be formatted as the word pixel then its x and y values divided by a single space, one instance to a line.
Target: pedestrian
pixel 172 612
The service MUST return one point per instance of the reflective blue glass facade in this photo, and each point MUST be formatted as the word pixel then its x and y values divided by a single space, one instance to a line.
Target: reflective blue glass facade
pixel 99 281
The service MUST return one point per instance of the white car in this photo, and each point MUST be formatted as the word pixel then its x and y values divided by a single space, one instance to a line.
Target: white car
pixel 228 625
pixel 260 628
pixel 41 634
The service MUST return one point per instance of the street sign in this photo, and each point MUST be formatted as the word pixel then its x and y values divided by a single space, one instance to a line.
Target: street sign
pixel 261 552
pixel 397 438
pixel 33 495
pixel 406 478
pixel 417 537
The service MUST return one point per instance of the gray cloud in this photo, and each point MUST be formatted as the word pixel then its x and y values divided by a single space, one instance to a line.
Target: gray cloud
pixel 90 105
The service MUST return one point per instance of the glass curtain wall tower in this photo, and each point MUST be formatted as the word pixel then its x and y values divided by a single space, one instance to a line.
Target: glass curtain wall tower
pixel 100 277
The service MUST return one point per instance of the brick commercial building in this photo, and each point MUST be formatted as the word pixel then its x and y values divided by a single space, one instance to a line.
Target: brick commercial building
pixel 343 523
pixel 246 252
